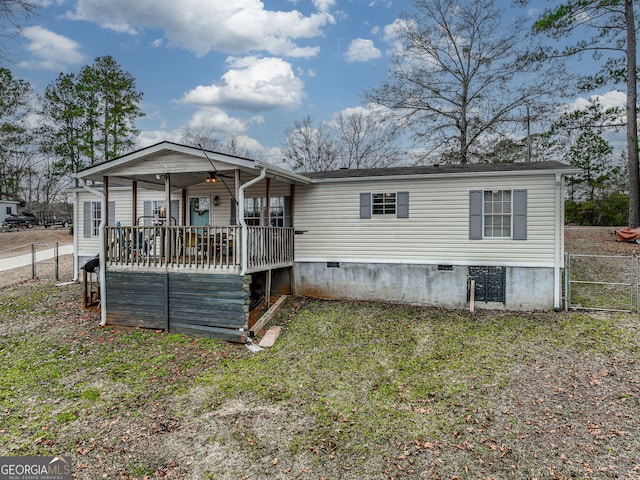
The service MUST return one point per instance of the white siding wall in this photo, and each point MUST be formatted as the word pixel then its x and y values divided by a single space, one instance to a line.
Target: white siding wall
pixel 90 246
pixel 436 230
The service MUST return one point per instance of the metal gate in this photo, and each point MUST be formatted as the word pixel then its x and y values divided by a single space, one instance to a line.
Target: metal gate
pixel 601 282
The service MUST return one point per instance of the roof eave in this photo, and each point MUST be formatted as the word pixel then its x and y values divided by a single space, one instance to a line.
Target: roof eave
pixel 423 176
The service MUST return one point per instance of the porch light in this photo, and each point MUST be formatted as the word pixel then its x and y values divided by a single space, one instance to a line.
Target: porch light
pixel 211 178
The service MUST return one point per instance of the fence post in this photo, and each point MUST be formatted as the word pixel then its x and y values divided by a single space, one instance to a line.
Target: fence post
pixel 57 261
pixel 33 261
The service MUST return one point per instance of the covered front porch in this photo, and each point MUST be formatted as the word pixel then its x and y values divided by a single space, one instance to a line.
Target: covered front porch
pixel 189 239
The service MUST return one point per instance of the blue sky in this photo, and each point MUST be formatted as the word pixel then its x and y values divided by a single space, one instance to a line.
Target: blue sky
pixel 240 67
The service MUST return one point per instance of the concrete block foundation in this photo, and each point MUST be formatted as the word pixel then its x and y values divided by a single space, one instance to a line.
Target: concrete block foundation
pixel 526 288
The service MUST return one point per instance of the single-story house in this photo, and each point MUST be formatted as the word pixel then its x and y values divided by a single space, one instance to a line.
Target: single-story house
pixel 188 239
pixel 7 207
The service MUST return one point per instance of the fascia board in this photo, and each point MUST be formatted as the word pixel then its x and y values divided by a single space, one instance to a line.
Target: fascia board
pixel 568 171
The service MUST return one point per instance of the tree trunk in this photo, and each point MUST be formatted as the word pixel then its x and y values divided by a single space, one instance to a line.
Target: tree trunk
pixel 632 122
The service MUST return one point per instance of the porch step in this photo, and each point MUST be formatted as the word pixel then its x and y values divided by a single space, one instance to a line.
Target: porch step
pixel 270 337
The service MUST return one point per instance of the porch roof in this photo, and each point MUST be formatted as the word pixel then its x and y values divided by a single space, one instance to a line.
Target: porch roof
pixel 186 165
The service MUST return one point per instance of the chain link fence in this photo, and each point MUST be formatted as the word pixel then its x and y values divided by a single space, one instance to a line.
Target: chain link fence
pixel 602 282
pixel 43 261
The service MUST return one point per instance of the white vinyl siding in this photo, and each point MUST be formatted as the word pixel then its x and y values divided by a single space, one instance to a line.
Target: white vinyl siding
pixel 120 200
pixel 437 231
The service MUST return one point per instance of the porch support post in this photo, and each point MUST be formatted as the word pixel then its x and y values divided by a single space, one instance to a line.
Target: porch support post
pixel 105 188
pixel 134 202
pixel 168 244
pixel 167 193
pixel 184 207
pixel 267 217
pixel 236 189
pixel 245 230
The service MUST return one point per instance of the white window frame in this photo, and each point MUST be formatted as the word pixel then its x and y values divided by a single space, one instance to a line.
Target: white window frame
pixel 96 218
pixel 384 203
pixel 497 213
pixel 255 211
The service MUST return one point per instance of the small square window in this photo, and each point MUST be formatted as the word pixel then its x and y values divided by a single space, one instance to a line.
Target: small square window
pixel 383 203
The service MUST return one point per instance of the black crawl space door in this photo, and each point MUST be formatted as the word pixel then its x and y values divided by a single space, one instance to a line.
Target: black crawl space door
pixel 490 283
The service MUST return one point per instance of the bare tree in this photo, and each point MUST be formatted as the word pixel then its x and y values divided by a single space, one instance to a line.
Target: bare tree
pixel 201 137
pixel 457 77
pixel 367 139
pixel 11 13
pixel 311 149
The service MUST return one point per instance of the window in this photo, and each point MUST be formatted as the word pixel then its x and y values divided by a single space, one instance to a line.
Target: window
pixel 96 216
pixel 498 214
pixel 8 211
pixel 390 203
pixel 155 212
pixel 384 203
pixel 255 211
pixel 92 216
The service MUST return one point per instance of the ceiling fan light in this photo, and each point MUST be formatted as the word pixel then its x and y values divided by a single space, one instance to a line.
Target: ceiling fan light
pixel 211 178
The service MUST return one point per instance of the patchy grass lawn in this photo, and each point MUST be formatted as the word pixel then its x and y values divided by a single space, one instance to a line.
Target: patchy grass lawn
pixel 350 390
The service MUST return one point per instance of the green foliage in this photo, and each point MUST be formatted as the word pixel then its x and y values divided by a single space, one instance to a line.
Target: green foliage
pixel 93 114
pixel 612 210
pixel 15 140
pixel 606 30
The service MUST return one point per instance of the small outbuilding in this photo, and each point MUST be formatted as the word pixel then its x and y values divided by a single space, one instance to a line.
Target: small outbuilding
pixel 8 207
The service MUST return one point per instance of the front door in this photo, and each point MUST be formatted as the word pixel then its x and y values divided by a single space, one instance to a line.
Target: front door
pixel 199 211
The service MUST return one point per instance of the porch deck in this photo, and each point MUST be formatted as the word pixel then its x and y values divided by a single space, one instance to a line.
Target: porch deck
pixel 208 249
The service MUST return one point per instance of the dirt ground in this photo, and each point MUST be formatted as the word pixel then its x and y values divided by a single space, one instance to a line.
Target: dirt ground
pixel 597 241
pixel 19 241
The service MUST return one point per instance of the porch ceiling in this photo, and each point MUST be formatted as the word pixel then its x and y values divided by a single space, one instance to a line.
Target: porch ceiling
pixel 153 181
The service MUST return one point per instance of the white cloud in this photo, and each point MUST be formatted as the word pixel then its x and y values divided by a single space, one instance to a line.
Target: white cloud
pixel 362 50
pixel 217 120
pixel 237 27
pixel 151 137
pixel 252 84
pixel 324 5
pixel 613 98
pixel 50 50
pixel 390 34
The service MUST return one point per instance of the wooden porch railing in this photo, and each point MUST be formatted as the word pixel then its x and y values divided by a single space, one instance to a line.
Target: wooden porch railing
pixel 269 247
pixel 217 247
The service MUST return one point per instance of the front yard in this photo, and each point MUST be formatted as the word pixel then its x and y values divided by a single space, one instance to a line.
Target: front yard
pixel 350 390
